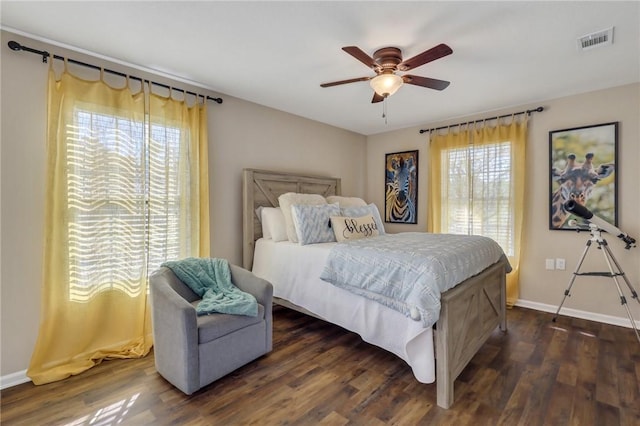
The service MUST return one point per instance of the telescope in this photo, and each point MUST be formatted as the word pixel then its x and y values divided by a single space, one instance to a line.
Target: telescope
pixel 595 226
pixel 583 212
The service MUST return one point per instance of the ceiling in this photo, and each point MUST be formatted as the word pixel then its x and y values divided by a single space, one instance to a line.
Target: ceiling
pixel 277 53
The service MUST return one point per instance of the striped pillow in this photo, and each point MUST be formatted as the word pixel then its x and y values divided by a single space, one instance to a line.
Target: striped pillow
pixel 313 224
pixel 289 199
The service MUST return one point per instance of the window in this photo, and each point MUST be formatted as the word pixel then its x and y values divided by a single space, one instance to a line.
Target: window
pixel 479 192
pixel 123 200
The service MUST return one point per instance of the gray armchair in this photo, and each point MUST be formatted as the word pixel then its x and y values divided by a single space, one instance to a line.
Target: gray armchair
pixel 192 351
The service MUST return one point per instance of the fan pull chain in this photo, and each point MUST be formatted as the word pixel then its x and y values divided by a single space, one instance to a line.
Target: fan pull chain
pixel 384 109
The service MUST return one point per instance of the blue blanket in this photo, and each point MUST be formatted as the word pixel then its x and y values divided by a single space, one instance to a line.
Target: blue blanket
pixel 408 271
pixel 210 278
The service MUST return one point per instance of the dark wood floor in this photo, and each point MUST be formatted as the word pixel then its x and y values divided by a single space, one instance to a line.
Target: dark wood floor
pixel 572 372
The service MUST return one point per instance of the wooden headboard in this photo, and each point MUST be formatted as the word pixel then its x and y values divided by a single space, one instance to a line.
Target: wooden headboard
pixel 262 188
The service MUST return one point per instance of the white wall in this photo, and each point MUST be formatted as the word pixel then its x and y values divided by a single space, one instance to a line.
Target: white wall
pixel 252 136
pixel 594 295
pixel 241 135
pixel 594 298
pixel 22 203
pixel 397 141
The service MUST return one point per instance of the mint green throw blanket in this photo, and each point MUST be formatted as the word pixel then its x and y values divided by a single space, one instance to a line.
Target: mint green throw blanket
pixel 210 278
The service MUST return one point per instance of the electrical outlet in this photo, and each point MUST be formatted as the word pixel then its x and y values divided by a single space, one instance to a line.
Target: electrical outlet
pixel 560 264
pixel 549 264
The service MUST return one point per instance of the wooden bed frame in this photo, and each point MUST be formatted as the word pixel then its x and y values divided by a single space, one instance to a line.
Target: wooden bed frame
pixel 469 314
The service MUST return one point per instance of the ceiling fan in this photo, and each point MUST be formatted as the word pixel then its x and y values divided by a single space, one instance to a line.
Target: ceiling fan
pixel 386 62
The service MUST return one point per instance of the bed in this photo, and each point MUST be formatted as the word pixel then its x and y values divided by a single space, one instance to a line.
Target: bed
pixel 469 312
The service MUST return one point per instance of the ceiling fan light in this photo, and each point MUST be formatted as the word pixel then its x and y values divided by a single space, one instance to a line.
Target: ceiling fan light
pixel 386 84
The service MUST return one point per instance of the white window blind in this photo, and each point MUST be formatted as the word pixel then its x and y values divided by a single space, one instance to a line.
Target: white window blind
pixel 123 202
pixel 479 192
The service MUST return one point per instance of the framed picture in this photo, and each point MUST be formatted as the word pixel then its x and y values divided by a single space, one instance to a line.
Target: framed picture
pixel 582 165
pixel 401 187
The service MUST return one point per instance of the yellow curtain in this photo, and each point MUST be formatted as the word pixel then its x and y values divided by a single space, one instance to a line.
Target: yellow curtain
pixel 168 117
pixel 463 166
pixel 516 135
pixel 101 240
pixel 442 146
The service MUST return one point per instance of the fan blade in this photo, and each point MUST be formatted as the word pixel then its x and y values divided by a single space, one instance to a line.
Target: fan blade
pixel 377 98
pixel 430 83
pixel 353 80
pixel 427 56
pixel 357 53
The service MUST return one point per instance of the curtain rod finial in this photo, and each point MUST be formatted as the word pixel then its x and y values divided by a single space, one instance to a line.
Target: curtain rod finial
pixel 14 45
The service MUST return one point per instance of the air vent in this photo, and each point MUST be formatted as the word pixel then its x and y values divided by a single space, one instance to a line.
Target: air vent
pixel 597 39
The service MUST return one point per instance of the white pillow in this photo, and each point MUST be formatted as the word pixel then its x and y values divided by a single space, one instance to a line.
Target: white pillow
pixel 265 231
pixel 347 228
pixel 273 225
pixel 313 223
pixel 346 201
pixel 359 211
pixel 291 198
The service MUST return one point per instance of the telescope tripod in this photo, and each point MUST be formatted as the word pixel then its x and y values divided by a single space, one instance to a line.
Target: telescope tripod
pixel 596 237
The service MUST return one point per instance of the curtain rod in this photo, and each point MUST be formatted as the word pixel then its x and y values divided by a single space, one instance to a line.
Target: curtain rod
pixel 528 112
pixel 14 45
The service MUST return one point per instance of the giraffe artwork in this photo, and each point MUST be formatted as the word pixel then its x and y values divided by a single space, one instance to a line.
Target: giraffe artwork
pixel 582 169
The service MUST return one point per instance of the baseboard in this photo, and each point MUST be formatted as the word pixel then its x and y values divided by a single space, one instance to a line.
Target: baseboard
pixel 14 379
pixel 575 313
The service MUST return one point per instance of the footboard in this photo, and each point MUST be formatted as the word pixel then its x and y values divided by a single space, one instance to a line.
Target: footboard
pixel 470 312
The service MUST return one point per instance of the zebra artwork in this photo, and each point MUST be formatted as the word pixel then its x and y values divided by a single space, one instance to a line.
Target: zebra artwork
pixel 401 190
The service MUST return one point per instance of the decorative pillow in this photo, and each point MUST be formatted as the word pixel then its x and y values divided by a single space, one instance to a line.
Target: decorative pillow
pixel 313 224
pixel 273 225
pixel 347 228
pixel 291 198
pixel 362 211
pixel 346 201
